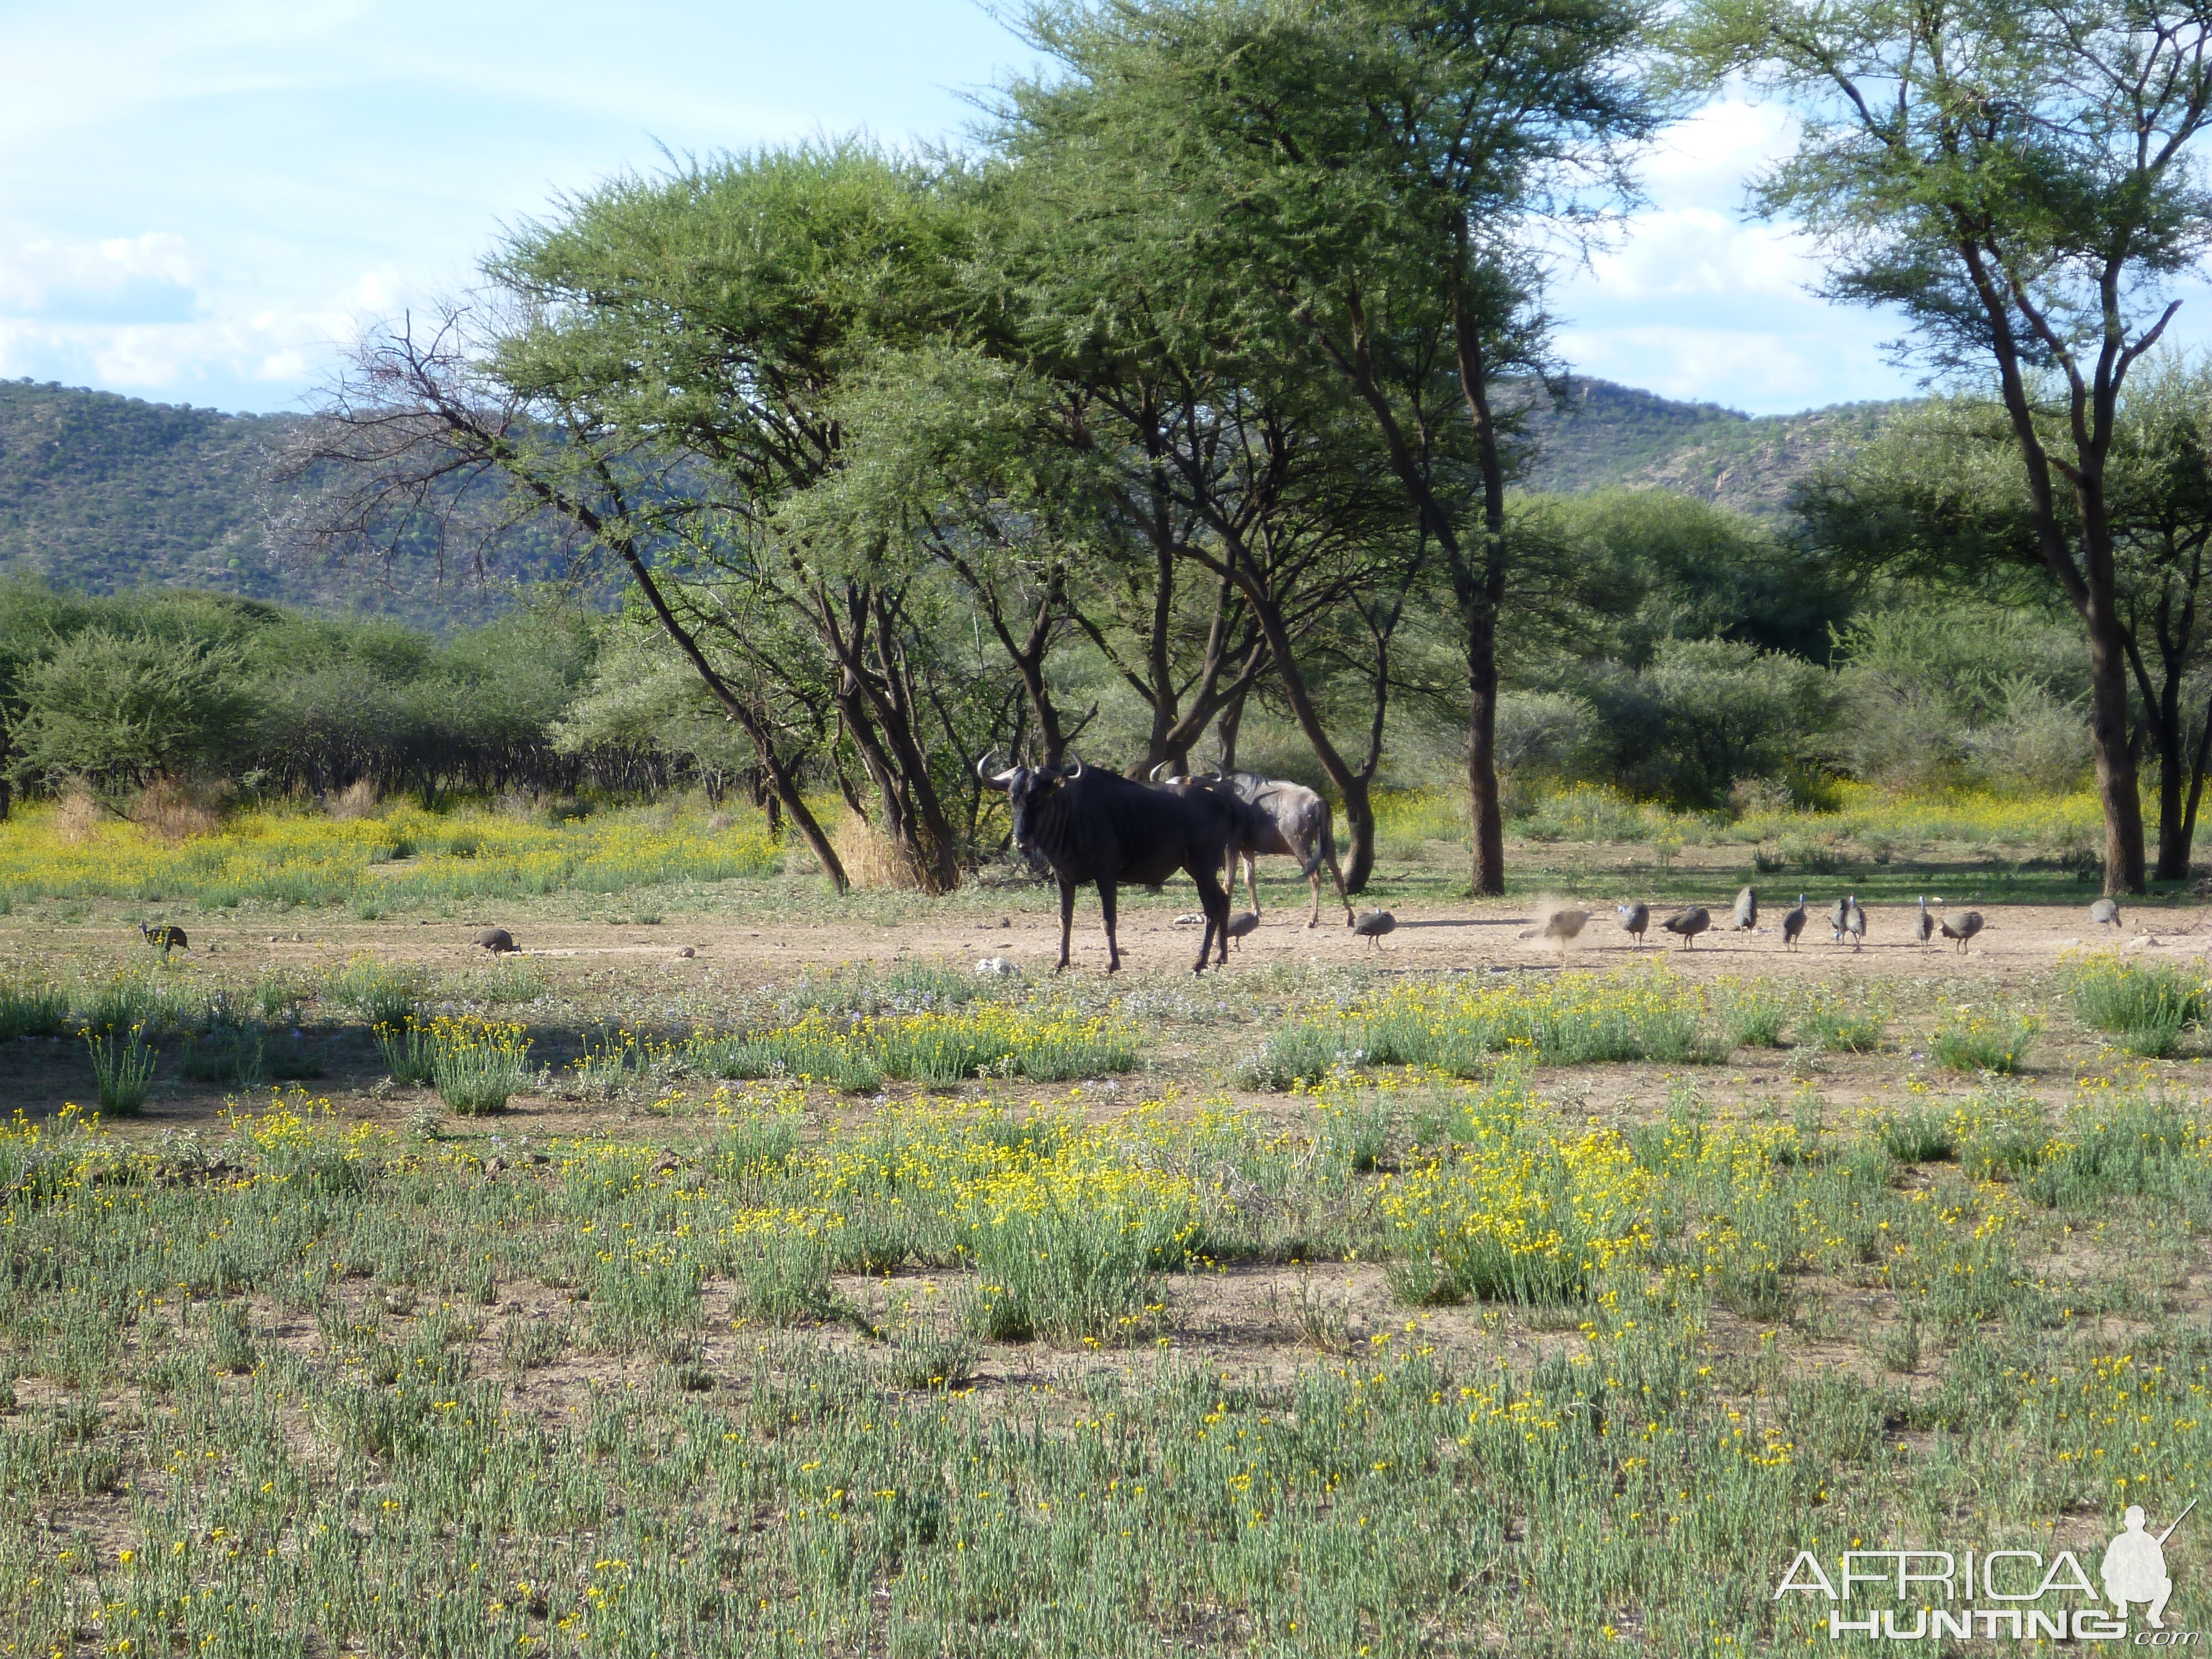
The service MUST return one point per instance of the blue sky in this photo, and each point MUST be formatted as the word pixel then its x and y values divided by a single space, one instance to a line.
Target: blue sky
pixel 202 203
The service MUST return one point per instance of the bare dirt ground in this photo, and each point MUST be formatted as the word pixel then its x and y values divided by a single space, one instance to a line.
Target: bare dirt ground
pixel 706 967
pixel 1459 936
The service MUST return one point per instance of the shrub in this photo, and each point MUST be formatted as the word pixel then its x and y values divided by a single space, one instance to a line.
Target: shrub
pixel 410 1056
pixel 1968 1041
pixel 1512 1214
pixel 32 1008
pixel 122 1067
pixel 1833 1025
pixel 2146 1005
pixel 227 1053
pixel 1062 1269
pixel 475 1065
pixel 386 993
pixel 1920 1136
pixel 1751 1015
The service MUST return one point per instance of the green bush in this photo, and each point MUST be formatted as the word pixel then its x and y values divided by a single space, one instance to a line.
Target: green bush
pixel 2146 1005
pixel 32 1008
pixel 122 1068
pixel 1967 1042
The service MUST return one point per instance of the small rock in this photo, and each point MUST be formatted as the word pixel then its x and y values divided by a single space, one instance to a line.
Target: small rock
pixel 687 953
pixel 1190 919
pixel 1003 923
pixel 272 939
pixel 668 1164
pixel 494 1165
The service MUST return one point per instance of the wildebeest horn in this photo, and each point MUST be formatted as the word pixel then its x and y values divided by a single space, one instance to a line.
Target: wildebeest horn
pixel 996 780
pixel 1077 772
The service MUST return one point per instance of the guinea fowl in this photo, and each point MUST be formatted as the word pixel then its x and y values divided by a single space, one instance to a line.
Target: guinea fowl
pixel 497 940
pixel 1373 926
pixel 1634 918
pixel 1962 928
pixel 2106 912
pixel 1838 915
pixel 1689 923
pixel 1242 923
pixel 1561 923
pixel 1924 925
pixel 1747 911
pixel 1793 923
pixel 1854 921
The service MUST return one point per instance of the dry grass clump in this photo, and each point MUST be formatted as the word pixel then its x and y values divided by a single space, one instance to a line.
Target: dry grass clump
pixel 358 799
pixel 872 859
pixel 169 812
pixel 77 819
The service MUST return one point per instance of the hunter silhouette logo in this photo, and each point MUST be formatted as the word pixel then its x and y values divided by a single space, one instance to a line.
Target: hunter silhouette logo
pixel 2134 1567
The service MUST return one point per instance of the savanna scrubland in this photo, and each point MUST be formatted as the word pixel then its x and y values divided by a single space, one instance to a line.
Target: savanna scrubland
pixel 770 1255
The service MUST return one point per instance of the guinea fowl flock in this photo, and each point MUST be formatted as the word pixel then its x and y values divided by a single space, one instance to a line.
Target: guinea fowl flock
pixel 1847 921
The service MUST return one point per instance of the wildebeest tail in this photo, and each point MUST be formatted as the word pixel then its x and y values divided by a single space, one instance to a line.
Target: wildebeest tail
pixel 1324 847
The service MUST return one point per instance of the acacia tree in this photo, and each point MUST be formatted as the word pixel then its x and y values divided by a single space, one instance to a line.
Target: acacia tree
pixel 1937 498
pixel 2020 179
pixel 1363 175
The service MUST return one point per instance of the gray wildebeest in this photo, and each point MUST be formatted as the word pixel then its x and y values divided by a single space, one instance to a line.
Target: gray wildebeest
pixel 1289 819
pixel 1089 825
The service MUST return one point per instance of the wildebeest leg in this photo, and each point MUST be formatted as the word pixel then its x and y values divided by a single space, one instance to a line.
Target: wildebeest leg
pixel 1066 921
pixel 1106 906
pixel 1328 857
pixel 1214 901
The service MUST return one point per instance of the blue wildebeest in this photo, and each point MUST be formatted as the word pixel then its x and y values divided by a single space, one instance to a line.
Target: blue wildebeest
pixel 1290 819
pixel 1090 826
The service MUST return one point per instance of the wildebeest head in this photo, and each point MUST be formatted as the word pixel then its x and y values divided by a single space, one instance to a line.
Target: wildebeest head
pixel 1032 791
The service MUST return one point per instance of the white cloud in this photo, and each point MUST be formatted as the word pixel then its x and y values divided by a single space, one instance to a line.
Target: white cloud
pixel 152 278
pixel 1685 251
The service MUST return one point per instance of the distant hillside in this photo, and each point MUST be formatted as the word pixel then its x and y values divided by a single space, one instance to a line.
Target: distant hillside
pixel 99 493
pixel 1608 434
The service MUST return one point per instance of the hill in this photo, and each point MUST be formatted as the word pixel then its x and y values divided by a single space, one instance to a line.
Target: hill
pixel 101 493
pixel 1602 435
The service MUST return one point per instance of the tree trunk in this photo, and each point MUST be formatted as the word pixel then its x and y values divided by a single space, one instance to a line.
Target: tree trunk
pixel 1479 601
pixel 2117 783
pixel 1232 719
pixel 2196 765
pixel 2172 788
pixel 1486 814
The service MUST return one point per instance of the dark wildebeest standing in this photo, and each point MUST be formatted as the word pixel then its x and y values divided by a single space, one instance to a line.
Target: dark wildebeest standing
pixel 1087 824
pixel 1290 820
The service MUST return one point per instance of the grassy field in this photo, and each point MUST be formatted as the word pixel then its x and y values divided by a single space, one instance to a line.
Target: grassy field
pixel 574 1304
pixel 1582 842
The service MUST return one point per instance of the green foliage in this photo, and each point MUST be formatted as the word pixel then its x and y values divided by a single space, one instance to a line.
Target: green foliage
pixel 125 707
pixel 1968 1041
pixel 2146 1005
pixel 122 1068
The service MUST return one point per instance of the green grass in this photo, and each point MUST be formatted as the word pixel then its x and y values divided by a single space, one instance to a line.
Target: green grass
pixel 1970 1041
pixel 2146 1005
pixel 323 1332
pixel 122 1068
